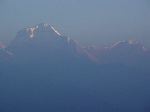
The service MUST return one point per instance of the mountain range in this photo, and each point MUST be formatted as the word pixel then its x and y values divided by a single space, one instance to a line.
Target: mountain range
pixel 44 39
pixel 41 71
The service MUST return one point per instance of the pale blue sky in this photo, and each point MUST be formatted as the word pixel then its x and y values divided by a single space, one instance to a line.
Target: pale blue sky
pixel 88 21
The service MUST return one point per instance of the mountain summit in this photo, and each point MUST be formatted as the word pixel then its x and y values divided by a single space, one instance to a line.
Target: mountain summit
pixel 41 32
pixel 32 32
pixel 38 35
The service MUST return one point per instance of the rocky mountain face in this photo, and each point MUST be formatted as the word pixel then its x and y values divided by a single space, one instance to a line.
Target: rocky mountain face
pixel 42 71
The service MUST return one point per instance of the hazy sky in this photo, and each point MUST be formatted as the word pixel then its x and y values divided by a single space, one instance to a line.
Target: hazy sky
pixel 89 21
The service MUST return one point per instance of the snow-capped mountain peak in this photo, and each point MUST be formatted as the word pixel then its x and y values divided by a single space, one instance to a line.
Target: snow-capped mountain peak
pixel 46 28
pixel 44 40
pixel 41 28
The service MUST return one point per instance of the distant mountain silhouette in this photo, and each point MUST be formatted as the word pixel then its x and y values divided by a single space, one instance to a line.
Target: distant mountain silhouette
pixel 43 71
pixel 129 53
